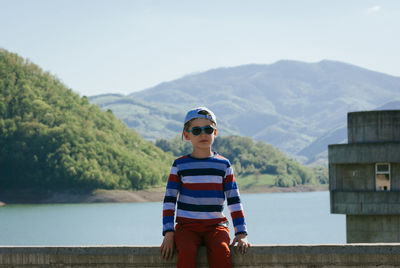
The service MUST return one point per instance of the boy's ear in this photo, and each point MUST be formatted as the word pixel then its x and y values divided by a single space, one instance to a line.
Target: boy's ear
pixel 186 136
pixel 215 132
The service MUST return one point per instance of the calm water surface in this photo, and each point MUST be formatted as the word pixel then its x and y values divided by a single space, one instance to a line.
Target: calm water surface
pixel 279 218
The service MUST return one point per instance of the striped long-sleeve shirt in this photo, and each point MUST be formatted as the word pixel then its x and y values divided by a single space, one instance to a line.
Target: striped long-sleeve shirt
pixel 198 189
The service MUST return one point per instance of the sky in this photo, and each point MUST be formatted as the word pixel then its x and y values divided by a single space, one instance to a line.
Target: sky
pixel 122 46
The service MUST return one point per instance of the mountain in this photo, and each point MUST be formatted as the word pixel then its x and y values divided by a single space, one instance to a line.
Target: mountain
pixel 288 104
pixel 317 151
pixel 152 120
pixel 392 105
pixel 52 139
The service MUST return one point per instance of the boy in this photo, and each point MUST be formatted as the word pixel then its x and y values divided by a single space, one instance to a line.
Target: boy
pixel 201 181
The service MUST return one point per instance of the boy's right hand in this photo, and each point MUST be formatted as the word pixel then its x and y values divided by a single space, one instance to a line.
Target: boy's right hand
pixel 167 246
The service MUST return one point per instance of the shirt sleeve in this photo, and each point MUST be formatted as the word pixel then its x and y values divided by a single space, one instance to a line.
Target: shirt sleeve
pixel 234 203
pixel 171 193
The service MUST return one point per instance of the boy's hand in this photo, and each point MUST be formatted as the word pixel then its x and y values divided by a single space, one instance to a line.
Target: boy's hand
pixel 240 242
pixel 167 246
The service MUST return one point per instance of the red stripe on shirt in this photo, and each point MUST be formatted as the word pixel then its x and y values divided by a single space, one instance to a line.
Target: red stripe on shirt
pixel 237 214
pixel 220 157
pixel 168 212
pixel 229 178
pixel 173 177
pixel 203 186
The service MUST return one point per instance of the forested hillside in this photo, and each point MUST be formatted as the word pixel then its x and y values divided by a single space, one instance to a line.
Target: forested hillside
pixel 255 159
pixel 51 138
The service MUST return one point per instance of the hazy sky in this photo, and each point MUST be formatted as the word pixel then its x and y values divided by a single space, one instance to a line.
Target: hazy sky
pixel 121 46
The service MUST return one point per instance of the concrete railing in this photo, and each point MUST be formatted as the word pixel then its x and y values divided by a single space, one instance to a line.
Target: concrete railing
pixel 348 255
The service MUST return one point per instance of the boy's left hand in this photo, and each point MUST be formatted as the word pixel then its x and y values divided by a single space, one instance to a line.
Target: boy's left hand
pixel 240 242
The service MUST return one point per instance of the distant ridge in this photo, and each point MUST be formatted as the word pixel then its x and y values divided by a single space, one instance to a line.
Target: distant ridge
pixel 317 151
pixel 289 104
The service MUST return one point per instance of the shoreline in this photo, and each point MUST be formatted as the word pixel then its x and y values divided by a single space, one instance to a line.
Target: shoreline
pixel 275 189
pixel 122 196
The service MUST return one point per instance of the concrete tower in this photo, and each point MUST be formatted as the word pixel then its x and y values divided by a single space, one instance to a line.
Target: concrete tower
pixel 364 177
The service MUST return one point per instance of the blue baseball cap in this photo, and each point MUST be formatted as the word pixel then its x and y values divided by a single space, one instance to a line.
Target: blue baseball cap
pixel 197 113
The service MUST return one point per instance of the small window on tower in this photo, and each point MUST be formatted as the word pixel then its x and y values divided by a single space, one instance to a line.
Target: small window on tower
pixel 382 177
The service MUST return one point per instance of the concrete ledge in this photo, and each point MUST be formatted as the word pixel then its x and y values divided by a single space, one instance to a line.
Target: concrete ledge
pixel 365 203
pixel 358 153
pixel 348 255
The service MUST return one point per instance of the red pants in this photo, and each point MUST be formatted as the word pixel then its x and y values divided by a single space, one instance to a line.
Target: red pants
pixel 188 238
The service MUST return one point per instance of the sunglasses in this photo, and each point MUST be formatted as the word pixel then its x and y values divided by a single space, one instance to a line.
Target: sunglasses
pixel 197 130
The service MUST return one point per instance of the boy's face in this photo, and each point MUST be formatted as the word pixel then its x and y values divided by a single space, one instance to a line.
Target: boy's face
pixel 204 140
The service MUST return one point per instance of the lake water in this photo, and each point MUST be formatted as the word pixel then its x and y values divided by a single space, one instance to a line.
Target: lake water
pixel 275 218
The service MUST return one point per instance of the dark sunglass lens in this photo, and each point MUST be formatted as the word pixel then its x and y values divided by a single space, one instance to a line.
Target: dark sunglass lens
pixel 196 131
pixel 209 130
